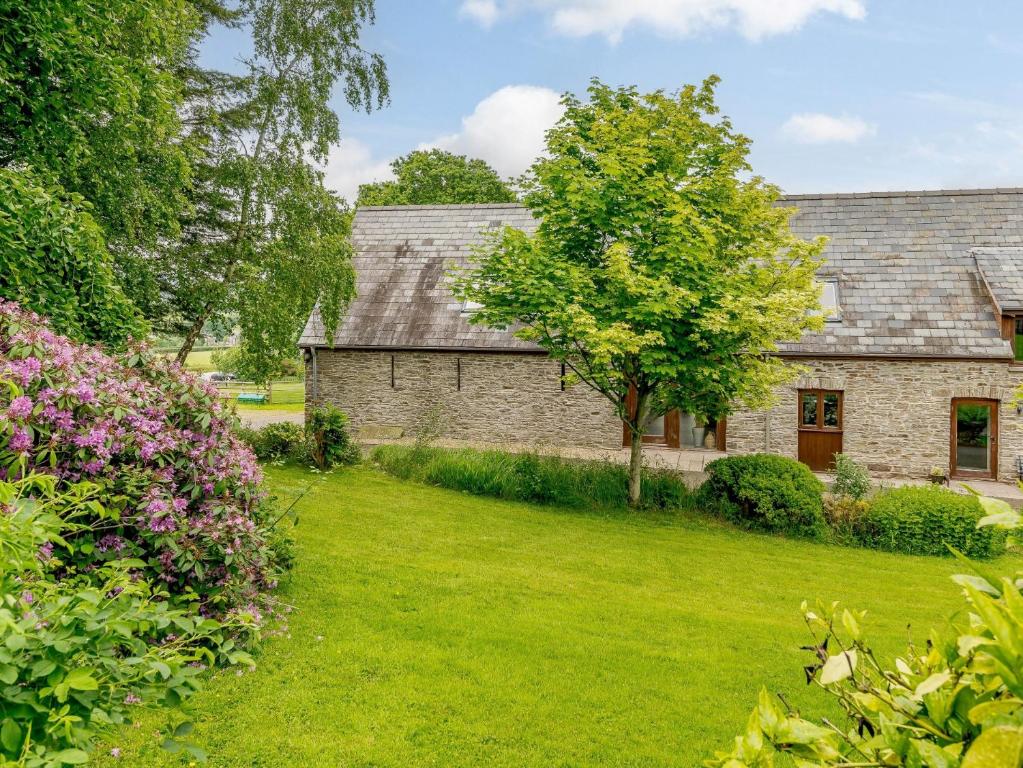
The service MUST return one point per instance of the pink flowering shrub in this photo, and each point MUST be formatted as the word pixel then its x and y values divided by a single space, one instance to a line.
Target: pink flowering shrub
pixel 185 490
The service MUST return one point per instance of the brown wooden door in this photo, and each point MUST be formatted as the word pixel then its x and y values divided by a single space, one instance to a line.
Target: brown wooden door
pixel 819 419
pixel 664 431
pixel 973 444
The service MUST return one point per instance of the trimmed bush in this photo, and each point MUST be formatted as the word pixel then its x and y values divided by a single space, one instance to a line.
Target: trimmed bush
pixel 273 442
pixel 530 477
pixel 769 493
pixel 921 520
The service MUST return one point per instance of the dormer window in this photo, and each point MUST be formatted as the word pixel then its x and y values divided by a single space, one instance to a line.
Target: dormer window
pixel 830 306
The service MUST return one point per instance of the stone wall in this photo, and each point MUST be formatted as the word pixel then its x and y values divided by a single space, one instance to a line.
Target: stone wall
pixel 897 414
pixel 503 397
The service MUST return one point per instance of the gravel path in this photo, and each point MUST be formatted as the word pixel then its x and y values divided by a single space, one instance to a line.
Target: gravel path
pixel 257 419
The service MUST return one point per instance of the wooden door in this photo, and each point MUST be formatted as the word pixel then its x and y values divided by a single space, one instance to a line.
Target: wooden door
pixel 973 444
pixel 664 431
pixel 819 419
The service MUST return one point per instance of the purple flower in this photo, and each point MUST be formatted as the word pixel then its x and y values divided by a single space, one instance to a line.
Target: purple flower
pixel 20 408
pixel 20 440
pixel 27 597
pixel 131 698
pixel 163 524
pixel 45 553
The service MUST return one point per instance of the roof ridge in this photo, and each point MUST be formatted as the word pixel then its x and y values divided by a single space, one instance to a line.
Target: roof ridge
pixel 440 207
pixel 907 193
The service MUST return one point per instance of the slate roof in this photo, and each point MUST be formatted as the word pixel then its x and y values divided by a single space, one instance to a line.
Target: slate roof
pixel 1002 270
pixel 908 265
pixel 402 254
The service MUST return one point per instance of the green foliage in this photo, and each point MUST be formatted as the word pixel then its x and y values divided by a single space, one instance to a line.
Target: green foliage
pixel 529 477
pixel 265 240
pixel 958 703
pixel 843 514
pixel 926 520
pixel 660 265
pixel 330 443
pixel 851 479
pixel 53 260
pixel 436 177
pixel 89 98
pixel 278 441
pixel 84 652
pixel 767 492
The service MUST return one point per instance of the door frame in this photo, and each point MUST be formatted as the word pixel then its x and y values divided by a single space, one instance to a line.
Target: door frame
pixel 819 427
pixel 672 432
pixel 955 472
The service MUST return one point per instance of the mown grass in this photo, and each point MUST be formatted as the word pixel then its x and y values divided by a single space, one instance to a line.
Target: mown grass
pixel 436 628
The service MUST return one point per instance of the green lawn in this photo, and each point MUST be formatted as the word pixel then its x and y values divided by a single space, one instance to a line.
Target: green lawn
pixel 437 629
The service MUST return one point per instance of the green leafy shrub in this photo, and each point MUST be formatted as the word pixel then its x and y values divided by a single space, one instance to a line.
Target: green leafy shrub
pixel 851 479
pixel 282 440
pixel 843 514
pixel 922 520
pixel 530 476
pixel 330 442
pixel 86 651
pixel 766 492
pixel 955 703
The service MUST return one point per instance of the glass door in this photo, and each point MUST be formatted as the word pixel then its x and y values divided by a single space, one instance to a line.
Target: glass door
pixel 974 437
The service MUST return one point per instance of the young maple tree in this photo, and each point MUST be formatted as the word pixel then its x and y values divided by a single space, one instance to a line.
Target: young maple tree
pixel 660 267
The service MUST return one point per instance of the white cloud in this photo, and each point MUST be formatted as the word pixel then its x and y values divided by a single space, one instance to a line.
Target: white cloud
pixel 485 12
pixel 353 164
pixel 754 19
pixel 506 129
pixel 816 128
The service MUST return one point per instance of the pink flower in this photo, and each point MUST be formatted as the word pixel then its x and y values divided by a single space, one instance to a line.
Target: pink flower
pixel 20 440
pixel 20 408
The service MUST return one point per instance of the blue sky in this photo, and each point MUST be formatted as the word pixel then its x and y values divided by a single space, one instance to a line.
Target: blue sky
pixel 837 95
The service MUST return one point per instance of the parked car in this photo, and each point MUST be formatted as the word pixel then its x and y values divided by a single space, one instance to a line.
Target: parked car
pixel 218 376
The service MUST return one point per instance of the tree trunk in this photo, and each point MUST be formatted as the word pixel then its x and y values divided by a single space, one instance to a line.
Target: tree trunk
pixel 193 334
pixel 635 469
pixel 636 449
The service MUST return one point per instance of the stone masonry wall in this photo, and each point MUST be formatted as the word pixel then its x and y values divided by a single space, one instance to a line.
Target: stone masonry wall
pixel 897 414
pixel 504 398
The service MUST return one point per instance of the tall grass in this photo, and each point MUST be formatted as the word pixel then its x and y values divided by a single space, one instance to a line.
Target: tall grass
pixel 530 477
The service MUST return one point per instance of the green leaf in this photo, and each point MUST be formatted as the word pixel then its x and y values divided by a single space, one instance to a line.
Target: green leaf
pixel 81 680
pixel 10 736
pixel 1000 747
pixel 838 667
pixel 70 757
pixel 183 730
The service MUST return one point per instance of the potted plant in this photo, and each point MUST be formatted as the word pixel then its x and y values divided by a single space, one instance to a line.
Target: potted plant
pixel 938 476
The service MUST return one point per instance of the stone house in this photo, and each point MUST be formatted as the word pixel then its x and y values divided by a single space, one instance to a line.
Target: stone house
pixel 916 368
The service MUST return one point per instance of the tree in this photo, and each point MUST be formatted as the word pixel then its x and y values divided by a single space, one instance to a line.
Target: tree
pixel 89 97
pixel 436 177
pixel 53 261
pixel 265 239
pixel 659 265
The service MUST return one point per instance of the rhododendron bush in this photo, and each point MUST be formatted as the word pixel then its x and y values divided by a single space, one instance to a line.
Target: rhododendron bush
pixel 184 489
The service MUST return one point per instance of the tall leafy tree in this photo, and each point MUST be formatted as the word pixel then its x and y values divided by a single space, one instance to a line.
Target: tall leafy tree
pixel 660 266
pixel 265 239
pixel 53 260
pixel 436 177
pixel 89 97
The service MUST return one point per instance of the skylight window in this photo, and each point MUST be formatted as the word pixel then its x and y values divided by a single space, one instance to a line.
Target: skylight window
pixel 832 310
